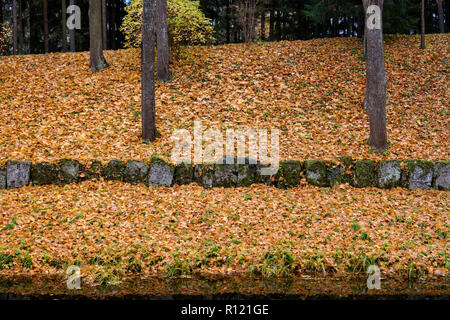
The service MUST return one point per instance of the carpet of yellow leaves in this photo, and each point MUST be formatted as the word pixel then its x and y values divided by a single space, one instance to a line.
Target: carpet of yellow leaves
pixel 114 229
pixel 53 107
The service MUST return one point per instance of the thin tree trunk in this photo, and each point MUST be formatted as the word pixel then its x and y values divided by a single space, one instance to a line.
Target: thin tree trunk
pixel 365 6
pixel 14 31
pixel 162 38
pixel 272 24
pixel 46 46
pixel 148 72
pixel 104 36
pixel 375 100
pixel 114 25
pixel 72 33
pixel 228 22
pixel 20 30
pixel 263 25
pixel 98 62
pixel 422 22
pixel 63 25
pixel 441 16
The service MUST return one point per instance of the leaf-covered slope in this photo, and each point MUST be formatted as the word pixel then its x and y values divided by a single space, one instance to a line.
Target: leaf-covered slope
pixel 52 107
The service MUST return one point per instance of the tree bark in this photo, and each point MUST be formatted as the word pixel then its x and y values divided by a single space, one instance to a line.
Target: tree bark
pixel 20 30
pixel 375 100
pixel 46 46
pixel 104 33
pixel 441 16
pixel 148 72
pixel 228 22
pixel 14 31
pixel 422 22
pixel 263 25
pixel 162 38
pixel 63 25
pixel 272 24
pixel 72 33
pixel 98 62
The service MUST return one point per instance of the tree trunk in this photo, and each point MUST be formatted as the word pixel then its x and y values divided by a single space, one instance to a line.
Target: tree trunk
pixel 14 31
pixel 263 25
pixel 104 34
pixel 365 6
pixel 375 100
pixel 98 62
pixel 162 38
pixel 272 25
pixel 63 25
pixel 46 46
pixel 72 33
pixel 228 22
pixel 20 30
pixel 148 72
pixel 422 22
pixel 441 16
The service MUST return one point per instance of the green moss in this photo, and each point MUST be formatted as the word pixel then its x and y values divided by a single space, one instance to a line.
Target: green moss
pixel 365 174
pixel 427 166
pixel 246 175
pixel 115 170
pixel 184 174
pixel 94 171
pixel 68 171
pixel 43 173
pixel 289 174
pixel 317 173
pixel 204 175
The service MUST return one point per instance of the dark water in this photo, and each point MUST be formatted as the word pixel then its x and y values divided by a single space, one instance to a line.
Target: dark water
pixel 226 288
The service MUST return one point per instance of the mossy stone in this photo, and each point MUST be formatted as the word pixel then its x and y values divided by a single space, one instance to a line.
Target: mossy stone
pixel 225 175
pixel 115 170
pixel 246 175
pixel 389 174
pixel 289 174
pixel 136 172
pixel 204 175
pixel 68 171
pixel 17 174
pixel 184 174
pixel 161 173
pixel 365 175
pixel 43 173
pixel 441 175
pixel 420 174
pixel 94 171
pixel 339 172
pixel 2 177
pixel 317 173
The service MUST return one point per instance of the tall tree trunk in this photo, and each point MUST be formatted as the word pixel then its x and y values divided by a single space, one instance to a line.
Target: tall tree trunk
pixel 441 16
pixel 63 25
pixel 98 62
pixel 272 24
pixel 365 6
pixel 104 33
pixel 162 38
pixel 263 25
pixel 114 25
pixel 228 21
pixel 72 33
pixel 375 100
pixel 148 72
pixel 422 22
pixel 20 30
pixel 14 31
pixel 46 46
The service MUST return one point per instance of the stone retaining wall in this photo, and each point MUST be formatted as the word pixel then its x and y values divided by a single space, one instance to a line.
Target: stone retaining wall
pixel 411 174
